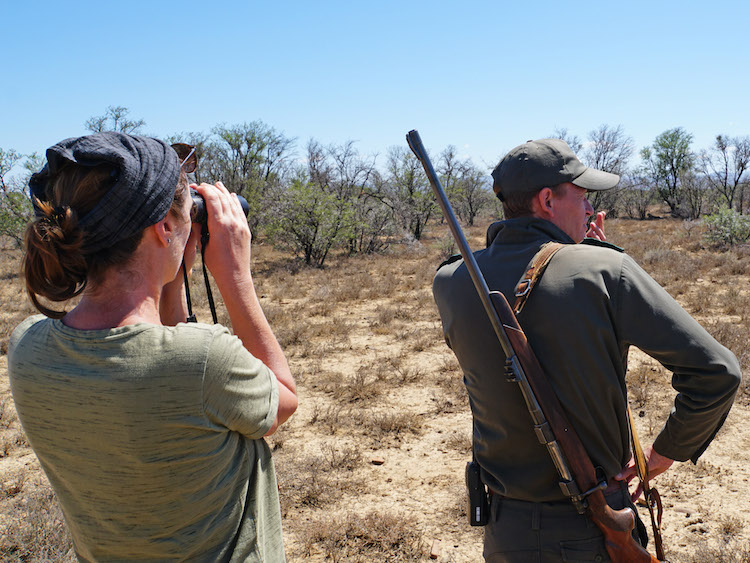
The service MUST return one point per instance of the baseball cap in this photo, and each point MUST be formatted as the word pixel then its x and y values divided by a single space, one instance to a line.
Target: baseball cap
pixel 545 163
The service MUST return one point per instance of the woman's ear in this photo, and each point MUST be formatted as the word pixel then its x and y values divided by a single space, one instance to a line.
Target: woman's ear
pixel 163 231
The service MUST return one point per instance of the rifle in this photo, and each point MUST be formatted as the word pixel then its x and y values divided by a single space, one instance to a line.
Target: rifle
pixel 578 479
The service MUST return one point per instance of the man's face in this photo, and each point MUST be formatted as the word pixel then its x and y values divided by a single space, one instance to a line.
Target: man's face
pixel 571 210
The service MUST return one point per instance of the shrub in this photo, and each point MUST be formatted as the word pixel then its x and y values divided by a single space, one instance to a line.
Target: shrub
pixel 726 227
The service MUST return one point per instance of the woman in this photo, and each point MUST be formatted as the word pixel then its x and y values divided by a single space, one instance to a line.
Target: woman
pixel 149 429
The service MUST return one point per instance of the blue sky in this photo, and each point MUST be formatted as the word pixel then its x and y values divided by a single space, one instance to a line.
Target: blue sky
pixel 483 76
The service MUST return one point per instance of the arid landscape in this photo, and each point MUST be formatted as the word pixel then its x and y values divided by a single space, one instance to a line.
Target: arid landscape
pixel 371 466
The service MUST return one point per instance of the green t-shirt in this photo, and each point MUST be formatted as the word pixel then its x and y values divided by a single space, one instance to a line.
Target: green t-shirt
pixel 151 437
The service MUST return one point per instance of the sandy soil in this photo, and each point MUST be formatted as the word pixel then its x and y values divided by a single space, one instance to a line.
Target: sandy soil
pixel 378 353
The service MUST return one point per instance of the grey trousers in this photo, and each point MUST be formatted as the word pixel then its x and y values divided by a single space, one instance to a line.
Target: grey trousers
pixel 546 532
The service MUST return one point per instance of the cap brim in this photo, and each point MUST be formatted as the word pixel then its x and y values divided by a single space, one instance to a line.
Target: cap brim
pixel 596 180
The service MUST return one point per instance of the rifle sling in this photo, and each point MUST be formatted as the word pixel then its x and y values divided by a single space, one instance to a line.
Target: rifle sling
pixel 533 272
pixel 650 494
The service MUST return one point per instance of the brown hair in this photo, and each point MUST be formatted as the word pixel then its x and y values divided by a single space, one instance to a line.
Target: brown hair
pixel 55 263
pixel 519 204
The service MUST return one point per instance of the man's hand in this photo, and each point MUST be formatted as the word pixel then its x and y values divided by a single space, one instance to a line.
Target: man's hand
pixel 596 227
pixel 656 463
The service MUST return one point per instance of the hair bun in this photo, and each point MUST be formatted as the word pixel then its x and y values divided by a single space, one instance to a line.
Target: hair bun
pixel 59 214
pixel 57 224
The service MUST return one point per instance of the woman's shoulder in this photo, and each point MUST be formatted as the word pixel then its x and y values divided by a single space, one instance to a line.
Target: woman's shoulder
pixel 26 326
pixel 202 338
pixel 199 331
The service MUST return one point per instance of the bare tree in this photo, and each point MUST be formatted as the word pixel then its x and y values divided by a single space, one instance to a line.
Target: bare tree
pixel 608 149
pixel 574 141
pixel 405 190
pixel 696 194
pixel 465 185
pixel 370 220
pixel 725 165
pixel 637 196
pixel 115 118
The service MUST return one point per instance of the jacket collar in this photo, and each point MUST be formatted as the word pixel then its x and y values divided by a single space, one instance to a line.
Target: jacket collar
pixel 524 230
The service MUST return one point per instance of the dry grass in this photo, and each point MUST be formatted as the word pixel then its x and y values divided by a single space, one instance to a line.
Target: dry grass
pixel 355 538
pixel 364 341
pixel 723 551
pixel 36 531
pixel 317 479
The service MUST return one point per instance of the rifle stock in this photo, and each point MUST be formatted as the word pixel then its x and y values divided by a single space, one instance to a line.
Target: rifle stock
pixel 578 477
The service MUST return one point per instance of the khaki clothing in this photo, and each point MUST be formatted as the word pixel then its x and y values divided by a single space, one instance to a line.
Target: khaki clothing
pixel 590 306
pixel 151 437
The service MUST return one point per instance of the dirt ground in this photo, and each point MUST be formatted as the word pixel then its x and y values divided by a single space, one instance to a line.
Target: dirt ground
pixel 371 466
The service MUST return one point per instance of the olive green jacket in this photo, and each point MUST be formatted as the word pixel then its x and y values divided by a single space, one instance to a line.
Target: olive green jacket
pixel 592 303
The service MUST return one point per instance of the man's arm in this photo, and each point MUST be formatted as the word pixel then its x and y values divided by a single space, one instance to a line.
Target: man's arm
pixel 706 375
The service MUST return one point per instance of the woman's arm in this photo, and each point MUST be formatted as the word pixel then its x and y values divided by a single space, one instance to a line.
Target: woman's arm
pixel 227 256
pixel 173 301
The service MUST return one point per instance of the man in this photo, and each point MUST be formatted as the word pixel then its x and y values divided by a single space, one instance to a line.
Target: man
pixel 592 303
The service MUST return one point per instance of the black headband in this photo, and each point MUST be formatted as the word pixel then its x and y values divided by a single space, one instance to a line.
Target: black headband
pixel 147 175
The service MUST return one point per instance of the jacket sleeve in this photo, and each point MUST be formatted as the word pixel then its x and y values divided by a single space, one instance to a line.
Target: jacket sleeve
pixel 706 375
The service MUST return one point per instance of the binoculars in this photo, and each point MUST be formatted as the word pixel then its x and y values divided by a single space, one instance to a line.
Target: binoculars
pixel 198 212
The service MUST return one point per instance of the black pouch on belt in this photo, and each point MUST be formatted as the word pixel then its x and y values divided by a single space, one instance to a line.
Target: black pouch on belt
pixel 478 505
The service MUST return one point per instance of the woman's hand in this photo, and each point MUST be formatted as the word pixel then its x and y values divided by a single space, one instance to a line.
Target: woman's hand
pixel 227 253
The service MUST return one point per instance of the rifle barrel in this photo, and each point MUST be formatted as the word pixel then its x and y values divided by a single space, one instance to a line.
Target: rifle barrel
pixel 415 143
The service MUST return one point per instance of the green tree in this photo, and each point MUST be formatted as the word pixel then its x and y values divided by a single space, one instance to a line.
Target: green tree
pixel 15 207
pixel 326 205
pixel 666 162
pixel 251 160
pixel 308 221
pixel 115 118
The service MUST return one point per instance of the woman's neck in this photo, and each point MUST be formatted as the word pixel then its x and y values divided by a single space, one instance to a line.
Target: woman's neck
pixel 123 298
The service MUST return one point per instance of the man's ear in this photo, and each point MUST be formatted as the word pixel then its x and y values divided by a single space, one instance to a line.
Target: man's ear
pixel 543 204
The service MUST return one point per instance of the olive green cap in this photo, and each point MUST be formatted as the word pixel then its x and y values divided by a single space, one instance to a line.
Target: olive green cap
pixel 545 163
